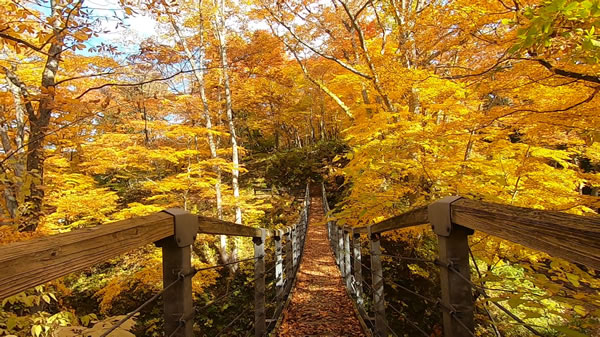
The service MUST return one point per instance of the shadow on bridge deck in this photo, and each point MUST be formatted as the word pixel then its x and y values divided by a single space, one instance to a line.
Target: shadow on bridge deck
pixel 320 305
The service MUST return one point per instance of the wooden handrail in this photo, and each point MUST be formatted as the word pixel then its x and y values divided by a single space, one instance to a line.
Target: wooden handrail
pixel 207 225
pixel 30 263
pixel 574 238
pixel 415 217
pixel 33 262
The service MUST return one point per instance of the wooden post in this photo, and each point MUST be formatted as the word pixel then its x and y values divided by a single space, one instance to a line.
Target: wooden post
pixel 295 246
pixel 278 267
pixel 260 326
pixel 347 259
pixel 457 298
pixel 177 263
pixel 177 260
pixel 377 285
pixel 301 236
pixel 333 240
pixel 358 279
pixel 304 232
pixel 289 270
pixel 340 247
pixel 335 243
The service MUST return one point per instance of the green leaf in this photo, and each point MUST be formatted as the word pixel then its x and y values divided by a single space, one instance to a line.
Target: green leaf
pixel 574 279
pixel 568 331
pixel 580 310
pixel 532 314
pixel 36 330
pixel 515 302
pixel 11 323
pixel 571 6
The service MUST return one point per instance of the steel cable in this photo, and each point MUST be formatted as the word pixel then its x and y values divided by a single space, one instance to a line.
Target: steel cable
pixel 179 326
pixel 138 309
pixel 413 324
pixel 425 298
pixel 196 270
pixel 233 321
pixel 461 323
pixel 218 299
pixel 407 258
pixel 475 286
pixel 498 305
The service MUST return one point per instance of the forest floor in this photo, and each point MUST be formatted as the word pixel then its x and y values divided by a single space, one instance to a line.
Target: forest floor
pixel 319 305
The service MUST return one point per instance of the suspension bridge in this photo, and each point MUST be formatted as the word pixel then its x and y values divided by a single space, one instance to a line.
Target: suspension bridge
pixel 323 279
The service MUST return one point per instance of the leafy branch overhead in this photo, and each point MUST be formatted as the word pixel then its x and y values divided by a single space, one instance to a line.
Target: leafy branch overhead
pixel 115 109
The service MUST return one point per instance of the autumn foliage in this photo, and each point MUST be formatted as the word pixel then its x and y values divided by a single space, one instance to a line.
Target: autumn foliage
pixel 397 103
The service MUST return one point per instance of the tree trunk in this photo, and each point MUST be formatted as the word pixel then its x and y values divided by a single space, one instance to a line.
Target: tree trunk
pixel 235 172
pixel 199 74
pixel 38 124
pixel 11 192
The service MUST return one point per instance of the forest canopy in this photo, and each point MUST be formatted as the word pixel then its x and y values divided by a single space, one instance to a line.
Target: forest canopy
pixel 111 109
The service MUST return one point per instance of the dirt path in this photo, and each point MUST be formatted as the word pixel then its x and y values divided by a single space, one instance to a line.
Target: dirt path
pixel 320 305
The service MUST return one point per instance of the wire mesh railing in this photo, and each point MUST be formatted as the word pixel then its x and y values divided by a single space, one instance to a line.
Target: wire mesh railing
pixel 361 259
pixel 260 278
pixel 174 231
pixel 288 246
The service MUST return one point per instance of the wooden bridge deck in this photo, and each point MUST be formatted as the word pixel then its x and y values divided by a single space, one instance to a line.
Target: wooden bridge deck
pixel 320 305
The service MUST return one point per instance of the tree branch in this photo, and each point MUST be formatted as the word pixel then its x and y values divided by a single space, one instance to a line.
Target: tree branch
pixel 328 57
pixel 14 79
pixel 88 90
pixel 23 42
pixel 566 73
pixel 321 86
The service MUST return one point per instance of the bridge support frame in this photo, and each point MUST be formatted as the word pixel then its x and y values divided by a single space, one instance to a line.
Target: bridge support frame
pixel 278 266
pixel 177 265
pixel 381 325
pixel 340 247
pixel 357 263
pixel 289 269
pixel 294 237
pixel 453 243
pixel 260 323
pixel 334 240
pixel 347 258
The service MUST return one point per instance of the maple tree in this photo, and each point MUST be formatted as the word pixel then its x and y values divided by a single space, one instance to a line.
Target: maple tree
pixel 399 102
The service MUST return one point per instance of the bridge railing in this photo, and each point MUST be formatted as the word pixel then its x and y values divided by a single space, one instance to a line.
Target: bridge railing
pixel 31 263
pixel 571 237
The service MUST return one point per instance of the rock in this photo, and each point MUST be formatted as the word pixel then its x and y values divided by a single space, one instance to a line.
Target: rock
pixel 98 329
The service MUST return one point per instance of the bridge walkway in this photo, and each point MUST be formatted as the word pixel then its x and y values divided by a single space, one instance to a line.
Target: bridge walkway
pixel 319 305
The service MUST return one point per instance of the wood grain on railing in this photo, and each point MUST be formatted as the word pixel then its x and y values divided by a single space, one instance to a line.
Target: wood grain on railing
pixel 208 225
pixel 572 237
pixel 575 238
pixel 33 262
pixel 416 217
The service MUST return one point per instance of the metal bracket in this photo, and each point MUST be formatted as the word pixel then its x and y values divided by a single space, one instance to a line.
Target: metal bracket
pixel 186 226
pixel 278 234
pixel 440 216
pixel 260 239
